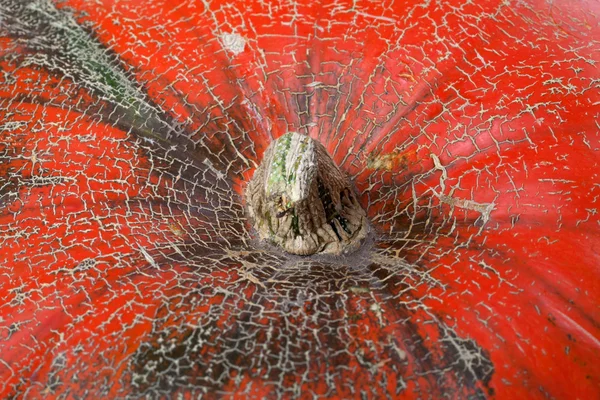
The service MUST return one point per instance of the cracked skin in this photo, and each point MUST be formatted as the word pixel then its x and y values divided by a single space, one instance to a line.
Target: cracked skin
pixel 129 132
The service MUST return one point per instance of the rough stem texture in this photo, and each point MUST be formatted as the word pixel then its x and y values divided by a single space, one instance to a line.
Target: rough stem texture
pixel 300 200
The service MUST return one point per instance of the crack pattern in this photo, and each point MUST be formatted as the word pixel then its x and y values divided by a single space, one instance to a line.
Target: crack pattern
pixel 129 132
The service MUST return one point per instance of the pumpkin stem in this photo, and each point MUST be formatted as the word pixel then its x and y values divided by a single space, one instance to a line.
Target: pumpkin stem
pixel 300 200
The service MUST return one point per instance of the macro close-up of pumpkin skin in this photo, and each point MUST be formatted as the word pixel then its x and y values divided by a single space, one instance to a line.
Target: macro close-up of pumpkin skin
pixel 132 265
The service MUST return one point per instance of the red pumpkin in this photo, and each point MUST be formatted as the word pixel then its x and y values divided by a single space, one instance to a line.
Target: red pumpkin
pixel 129 131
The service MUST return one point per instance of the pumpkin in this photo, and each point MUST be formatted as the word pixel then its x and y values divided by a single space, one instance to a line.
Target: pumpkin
pixel 130 266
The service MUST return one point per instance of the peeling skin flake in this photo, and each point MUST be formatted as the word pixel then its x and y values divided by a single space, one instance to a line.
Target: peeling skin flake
pixel 233 42
pixel 468 132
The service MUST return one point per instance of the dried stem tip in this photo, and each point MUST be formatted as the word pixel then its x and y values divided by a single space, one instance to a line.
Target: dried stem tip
pixel 301 201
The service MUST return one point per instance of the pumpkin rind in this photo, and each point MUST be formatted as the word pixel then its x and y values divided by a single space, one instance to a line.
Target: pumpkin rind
pixel 129 131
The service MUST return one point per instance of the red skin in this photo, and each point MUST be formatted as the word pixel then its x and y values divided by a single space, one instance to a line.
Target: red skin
pixel 509 106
